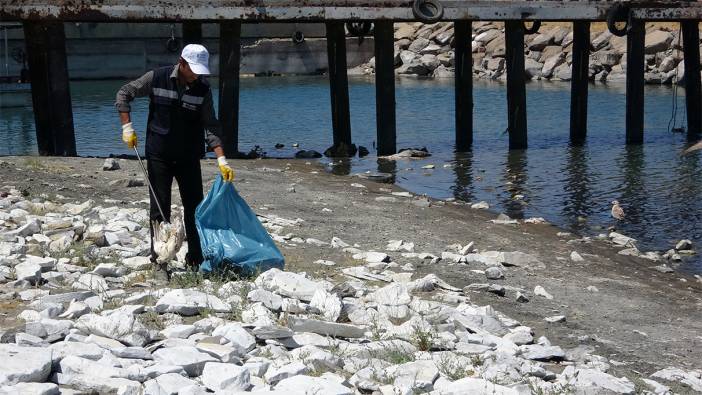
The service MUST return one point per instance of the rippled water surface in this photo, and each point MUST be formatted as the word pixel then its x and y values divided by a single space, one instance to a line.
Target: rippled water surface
pixel 660 191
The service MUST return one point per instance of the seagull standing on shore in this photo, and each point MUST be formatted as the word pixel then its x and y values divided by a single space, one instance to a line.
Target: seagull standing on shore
pixel 617 211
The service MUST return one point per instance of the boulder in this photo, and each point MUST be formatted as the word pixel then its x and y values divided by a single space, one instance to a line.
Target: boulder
pixel 120 326
pixel 23 364
pixel 31 389
pixel 167 384
pixel 225 377
pixel 189 302
pixel 239 337
pixel 595 381
pixel 288 284
pixel 325 328
pixel 657 41
pixel 540 42
pixel 189 358
pixel 312 385
pixel 419 44
pixel 532 68
pixel 328 304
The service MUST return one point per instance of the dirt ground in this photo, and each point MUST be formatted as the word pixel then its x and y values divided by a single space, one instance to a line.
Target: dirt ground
pixel 642 319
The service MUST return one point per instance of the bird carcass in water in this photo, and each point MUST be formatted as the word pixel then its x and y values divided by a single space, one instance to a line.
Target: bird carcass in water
pixel 168 238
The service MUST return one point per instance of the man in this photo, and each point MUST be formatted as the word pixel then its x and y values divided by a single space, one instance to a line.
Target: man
pixel 181 120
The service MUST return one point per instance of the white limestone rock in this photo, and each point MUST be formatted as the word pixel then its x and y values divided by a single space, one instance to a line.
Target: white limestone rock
pixel 225 377
pixel 269 299
pixel 691 378
pixel 23 364
pixel 274 375
pixel 179 331
pixel 328 304
pixel 538 352
pixel 167 384
pixel 189 302
pixel 312 385
pixel 288 284
pixel 104 385
pixel 394 294
pixel 30 389
pixel 30 272
pixel 190 358
pixel 540 291
pixel 418 375
pixel 239 337
pixel 471 385
pixel 325 328
pixel 595 381
pixel 119 326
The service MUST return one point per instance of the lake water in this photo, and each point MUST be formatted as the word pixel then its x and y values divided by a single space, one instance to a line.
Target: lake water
pixel 569 186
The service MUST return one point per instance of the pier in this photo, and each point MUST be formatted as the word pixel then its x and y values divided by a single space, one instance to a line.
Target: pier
pixel 42 21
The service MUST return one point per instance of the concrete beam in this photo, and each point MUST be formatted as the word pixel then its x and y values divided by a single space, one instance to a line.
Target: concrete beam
pixel 323 10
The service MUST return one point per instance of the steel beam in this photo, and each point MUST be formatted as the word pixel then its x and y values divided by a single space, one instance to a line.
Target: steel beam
pixel 324 10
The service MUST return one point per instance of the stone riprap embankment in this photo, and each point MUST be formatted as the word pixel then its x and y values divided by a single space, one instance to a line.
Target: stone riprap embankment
pixel 428 50
pixel 90 319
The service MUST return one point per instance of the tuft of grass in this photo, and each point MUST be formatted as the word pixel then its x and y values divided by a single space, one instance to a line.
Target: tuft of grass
pixel 452 368
pixel 477 360
pixel 394 355
pixel 33 163
pixel 152 320
pixel 423 338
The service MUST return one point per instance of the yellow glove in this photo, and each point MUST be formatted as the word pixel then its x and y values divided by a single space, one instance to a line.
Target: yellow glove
pixel 227 172
pixel 128 135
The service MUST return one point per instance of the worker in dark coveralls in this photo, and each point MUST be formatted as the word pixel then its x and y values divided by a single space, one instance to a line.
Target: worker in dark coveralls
pixel 181 122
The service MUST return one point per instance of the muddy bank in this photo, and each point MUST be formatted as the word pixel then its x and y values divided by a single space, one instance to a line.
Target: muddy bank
pixel 639 318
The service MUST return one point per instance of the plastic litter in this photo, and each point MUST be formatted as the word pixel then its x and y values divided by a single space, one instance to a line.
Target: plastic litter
pixel 231 236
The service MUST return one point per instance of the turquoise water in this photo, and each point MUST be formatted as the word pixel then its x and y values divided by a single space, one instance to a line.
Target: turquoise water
pixel 569 186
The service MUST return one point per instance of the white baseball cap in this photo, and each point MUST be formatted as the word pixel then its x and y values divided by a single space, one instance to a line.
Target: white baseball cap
pixel 197 57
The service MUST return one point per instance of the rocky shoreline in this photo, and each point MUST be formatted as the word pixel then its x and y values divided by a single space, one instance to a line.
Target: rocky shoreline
pixel 427 51
pixel 422 296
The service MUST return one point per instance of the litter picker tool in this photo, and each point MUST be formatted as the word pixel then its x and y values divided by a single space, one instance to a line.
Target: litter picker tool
pixel 148 182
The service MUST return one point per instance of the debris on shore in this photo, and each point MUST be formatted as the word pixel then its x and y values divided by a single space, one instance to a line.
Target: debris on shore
pixel 90 319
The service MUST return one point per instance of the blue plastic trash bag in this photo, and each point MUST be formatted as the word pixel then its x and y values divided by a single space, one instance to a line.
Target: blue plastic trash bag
pixel 231 236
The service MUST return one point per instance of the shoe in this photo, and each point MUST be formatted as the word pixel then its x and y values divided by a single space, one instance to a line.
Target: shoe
pixel 161 274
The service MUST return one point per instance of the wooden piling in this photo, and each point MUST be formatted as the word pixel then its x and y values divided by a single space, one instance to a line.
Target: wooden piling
pixel 385 88
pixel 338 83
pixel 579 82
pixel 691 40
pixel 229 63
pixel 463 85
pixel 635 82
pixel 516 85
pixel 192 33
pixel 51 96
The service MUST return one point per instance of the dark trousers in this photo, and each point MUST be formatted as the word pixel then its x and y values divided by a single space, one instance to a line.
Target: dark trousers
pixel 187 174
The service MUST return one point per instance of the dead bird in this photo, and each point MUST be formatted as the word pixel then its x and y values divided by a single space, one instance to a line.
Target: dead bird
pixel 168 238
pixel 617 211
